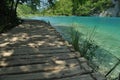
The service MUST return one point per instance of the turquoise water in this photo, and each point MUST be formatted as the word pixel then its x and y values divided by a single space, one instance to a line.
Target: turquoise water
pixel 107 33
pixel 107 37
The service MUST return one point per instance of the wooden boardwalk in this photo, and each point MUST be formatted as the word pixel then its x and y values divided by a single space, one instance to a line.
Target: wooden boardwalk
pixel 35 51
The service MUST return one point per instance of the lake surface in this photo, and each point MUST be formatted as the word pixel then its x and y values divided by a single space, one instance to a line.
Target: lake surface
pixel 107 33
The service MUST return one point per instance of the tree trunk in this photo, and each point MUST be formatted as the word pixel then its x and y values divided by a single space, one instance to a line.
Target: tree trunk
pixel 15 10
pixel 12 3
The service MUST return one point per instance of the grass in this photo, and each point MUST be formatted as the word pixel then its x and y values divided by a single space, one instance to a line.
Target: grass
pixel 75 38
pixel 85 46
pixel 88 46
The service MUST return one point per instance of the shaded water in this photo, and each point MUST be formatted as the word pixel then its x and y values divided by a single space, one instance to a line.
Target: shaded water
pixel 107 35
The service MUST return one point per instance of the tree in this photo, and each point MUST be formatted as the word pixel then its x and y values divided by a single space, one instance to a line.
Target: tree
pixel 61 8
pixel 8 10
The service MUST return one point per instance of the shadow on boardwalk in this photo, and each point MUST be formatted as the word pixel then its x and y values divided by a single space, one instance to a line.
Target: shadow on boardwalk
pixel 35 51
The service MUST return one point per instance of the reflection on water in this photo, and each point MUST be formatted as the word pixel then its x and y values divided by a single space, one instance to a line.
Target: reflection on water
pixel 107 37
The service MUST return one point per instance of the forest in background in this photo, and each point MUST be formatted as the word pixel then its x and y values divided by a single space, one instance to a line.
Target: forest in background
pixel 67 8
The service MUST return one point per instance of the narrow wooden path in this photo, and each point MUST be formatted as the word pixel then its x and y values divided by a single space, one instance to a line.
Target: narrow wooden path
pixel 35 51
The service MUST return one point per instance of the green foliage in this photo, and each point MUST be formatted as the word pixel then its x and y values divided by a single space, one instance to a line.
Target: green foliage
pixel 24 10
pixel 84 10
pixel 102 5
pixel 78 7
pixel 75 38
pixel 92 7
pixel 33 4
pixel 61 7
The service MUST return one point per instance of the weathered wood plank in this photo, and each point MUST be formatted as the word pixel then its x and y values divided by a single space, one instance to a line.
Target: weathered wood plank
pixel 52 48
pixel 45 75
pixel 78 77
pixel 56 65
pixel 19 62
pixel 82 59
pixel 87 68
pixel 29 69
pixel 51 53
pixel 98 76
pixel 34 56
pixel 33 51
pixel 54 51
pixel 38 47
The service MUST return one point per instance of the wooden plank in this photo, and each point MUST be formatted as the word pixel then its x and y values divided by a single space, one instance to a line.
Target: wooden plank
pixel 29 68
pixel 82 59
pixel 57 56
pixel 57 64
pixel 33 51
pixel 28 49
pixel 52 48
pixel 78 77
pixel 98 76
pixel 19 62
pixel 70 71
pixel 54 51
pixel 25 52
pixel 87 68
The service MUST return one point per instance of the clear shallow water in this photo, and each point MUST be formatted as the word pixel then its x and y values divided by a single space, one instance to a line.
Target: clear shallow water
pixel 107 34
pixel 107 37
